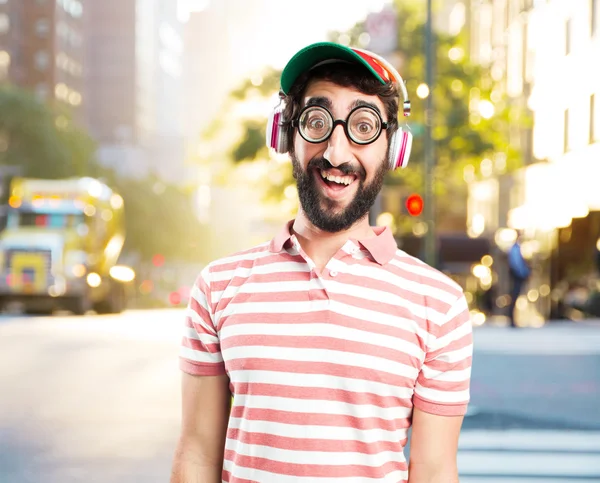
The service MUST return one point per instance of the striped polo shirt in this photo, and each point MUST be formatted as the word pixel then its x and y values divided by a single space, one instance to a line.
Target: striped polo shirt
pixel 326 368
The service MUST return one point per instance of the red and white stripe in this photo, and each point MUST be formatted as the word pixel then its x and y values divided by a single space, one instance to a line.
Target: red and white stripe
pixel 326 368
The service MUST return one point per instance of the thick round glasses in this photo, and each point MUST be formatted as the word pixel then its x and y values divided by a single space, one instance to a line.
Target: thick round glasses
pixel 362 126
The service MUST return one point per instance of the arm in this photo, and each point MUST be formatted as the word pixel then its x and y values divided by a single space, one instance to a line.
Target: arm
pixel 206 399
pixel 441 397
pixel 433 448
pixel 205 412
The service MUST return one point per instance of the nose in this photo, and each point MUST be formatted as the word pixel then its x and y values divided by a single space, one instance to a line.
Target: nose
pixel 338 147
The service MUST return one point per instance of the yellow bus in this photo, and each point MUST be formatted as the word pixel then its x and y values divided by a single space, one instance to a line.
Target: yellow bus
pixel 61 246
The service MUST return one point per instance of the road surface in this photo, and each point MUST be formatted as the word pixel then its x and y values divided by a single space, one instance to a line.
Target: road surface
pixel 96 399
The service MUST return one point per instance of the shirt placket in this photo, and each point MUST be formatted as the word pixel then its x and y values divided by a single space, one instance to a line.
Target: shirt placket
pixel 316 290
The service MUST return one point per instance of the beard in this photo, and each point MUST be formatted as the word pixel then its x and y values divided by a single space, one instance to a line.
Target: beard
pixel 320 210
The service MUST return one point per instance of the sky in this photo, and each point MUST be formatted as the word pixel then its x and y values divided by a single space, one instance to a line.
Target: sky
pixel 276 28
pixel 254 34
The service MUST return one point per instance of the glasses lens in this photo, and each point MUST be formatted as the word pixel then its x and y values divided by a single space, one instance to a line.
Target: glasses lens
pixel 315 124
pixel 364 125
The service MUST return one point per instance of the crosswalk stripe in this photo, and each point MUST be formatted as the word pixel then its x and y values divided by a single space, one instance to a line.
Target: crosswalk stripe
pixel 512 479
pixel 526 439
pixel 545 341
pixel 529 456
pixel 533 464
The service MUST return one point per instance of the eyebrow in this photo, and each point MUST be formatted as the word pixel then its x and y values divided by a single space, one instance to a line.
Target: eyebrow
pixel 320 101
pixel 361 103
pixel 326 102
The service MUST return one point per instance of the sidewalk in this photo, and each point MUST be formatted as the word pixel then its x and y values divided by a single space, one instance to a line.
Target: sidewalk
pixel 554 338
pixel 502 321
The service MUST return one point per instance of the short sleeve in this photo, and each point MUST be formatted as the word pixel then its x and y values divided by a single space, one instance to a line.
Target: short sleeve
pixel 200 352
pixel 443 383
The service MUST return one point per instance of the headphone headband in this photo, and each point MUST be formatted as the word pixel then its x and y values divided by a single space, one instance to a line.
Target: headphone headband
pixel 397 78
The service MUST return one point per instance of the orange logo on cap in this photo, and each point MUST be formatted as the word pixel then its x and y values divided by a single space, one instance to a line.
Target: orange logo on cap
pixel 384 72
pixel 377 66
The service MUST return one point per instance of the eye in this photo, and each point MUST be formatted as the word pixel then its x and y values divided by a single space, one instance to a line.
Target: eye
pixel 364 127
pixel 316 123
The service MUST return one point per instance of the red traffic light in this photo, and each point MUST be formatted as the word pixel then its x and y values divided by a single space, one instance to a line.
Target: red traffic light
pixel 414 205
pixel 158 260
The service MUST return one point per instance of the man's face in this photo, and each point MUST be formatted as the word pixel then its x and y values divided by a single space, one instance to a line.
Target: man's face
pixel 337 179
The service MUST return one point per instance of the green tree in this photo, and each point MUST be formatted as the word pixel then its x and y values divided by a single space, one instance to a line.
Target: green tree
pixel 472 120
pixel 41 139
pixel 159 218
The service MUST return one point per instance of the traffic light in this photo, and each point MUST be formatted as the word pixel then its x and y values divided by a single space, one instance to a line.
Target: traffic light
pixel 158 260
pixel 414 204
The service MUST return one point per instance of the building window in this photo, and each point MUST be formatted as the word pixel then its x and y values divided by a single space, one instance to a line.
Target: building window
pixel 62 30
pixel 4 64
pixel 76 9
pixel 566 132
pixel 75 98
pixel 41 60
pixel 75 39
pixel 4 23
pixel 568 37
pixel 42 28
pixel 73 7
pixel 4 58
pixel 61 91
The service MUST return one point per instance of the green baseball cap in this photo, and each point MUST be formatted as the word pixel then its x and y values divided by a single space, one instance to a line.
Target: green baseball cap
pixel 314 54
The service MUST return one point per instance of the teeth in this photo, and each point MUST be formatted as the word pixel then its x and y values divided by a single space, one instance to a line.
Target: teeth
pixel 337 179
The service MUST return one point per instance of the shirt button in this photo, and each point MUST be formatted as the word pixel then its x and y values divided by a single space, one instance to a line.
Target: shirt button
pixel 333 273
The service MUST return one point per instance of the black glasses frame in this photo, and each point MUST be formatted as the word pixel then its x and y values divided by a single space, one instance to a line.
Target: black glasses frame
pixel 336 122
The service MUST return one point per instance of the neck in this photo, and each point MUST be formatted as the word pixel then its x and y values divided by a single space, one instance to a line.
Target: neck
pixel 321 246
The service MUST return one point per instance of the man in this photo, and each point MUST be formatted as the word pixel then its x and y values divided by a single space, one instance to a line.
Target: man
pixel 519 272
pixel 597 255
pixel 328 340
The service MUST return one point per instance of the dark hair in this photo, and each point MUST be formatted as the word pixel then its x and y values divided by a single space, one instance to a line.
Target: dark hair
pixel 345 75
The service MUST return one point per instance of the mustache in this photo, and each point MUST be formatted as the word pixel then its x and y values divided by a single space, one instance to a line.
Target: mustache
pixel 346 168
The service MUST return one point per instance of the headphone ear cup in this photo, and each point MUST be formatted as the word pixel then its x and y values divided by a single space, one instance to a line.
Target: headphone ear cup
pixel 276 137
pixel 400 147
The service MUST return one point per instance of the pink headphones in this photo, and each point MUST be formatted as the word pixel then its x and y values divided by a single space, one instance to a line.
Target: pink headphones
pixel 400 142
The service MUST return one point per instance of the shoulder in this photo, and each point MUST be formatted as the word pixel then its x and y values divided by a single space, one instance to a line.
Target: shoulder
pixel 419 272
pixel 224 268
pixel 447 315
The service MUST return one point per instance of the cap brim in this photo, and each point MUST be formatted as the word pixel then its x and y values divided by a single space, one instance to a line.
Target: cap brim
pixel 314 54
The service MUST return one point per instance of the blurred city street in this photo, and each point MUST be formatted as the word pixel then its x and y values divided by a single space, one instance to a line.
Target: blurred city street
pixel 133 155
pixel 96 399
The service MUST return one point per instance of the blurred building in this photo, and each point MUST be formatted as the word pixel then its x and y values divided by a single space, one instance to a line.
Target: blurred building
pixel 541 52
pixel 111 71
pixel 42 49
pixel 135 86
pixel 207 68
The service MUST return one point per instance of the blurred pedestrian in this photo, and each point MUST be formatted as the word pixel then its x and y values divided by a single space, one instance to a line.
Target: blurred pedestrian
pixel 308 358
pixel 519 272
pixel 597 255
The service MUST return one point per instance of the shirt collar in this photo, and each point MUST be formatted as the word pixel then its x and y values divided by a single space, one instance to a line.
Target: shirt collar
pixel 281 238
pixel 382 246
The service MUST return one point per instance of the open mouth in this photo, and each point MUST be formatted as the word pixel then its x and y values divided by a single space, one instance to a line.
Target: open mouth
pixel 336 181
